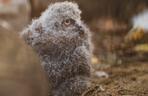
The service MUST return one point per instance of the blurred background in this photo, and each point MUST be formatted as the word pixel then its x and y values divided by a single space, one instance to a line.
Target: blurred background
pixel 120 46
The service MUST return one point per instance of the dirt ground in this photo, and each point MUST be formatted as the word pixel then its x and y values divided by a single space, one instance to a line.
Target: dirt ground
pixel 124 79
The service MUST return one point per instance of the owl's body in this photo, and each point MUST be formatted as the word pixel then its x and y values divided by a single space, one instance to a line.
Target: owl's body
pixel 62 42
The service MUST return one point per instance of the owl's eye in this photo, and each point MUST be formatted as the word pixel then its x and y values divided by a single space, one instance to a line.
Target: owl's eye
pixel 68 22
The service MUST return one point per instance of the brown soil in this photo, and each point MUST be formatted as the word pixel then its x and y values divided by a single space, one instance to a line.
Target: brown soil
pixel 124 80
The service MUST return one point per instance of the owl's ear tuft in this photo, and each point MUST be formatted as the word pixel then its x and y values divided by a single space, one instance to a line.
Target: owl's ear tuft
pixel 36 27
pixel 39 28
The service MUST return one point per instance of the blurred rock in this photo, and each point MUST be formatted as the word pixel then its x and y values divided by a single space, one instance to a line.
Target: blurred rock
pixel 101 74
pixel 20 70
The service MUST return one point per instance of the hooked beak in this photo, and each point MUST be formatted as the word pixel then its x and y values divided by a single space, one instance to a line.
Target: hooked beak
pixel 80 29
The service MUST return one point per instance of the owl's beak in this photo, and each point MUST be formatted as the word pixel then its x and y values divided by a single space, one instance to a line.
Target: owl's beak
pixel 80 30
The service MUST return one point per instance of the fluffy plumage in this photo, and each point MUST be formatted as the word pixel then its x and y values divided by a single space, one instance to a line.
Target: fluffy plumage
pixel 63 44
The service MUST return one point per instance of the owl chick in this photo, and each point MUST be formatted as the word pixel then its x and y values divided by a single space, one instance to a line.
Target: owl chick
pixel 63 44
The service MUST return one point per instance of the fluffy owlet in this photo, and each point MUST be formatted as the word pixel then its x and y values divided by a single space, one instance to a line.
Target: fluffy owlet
pixel 62 42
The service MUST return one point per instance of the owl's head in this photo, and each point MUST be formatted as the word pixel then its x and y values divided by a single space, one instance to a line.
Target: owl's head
pixel 59 24
pixel 63 19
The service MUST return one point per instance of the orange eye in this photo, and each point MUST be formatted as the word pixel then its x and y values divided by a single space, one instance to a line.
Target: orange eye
pixel 67 22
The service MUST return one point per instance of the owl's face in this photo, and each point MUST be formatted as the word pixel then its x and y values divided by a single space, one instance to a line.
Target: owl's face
pixel 69 28
pixel 59 26
pixel 63 20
